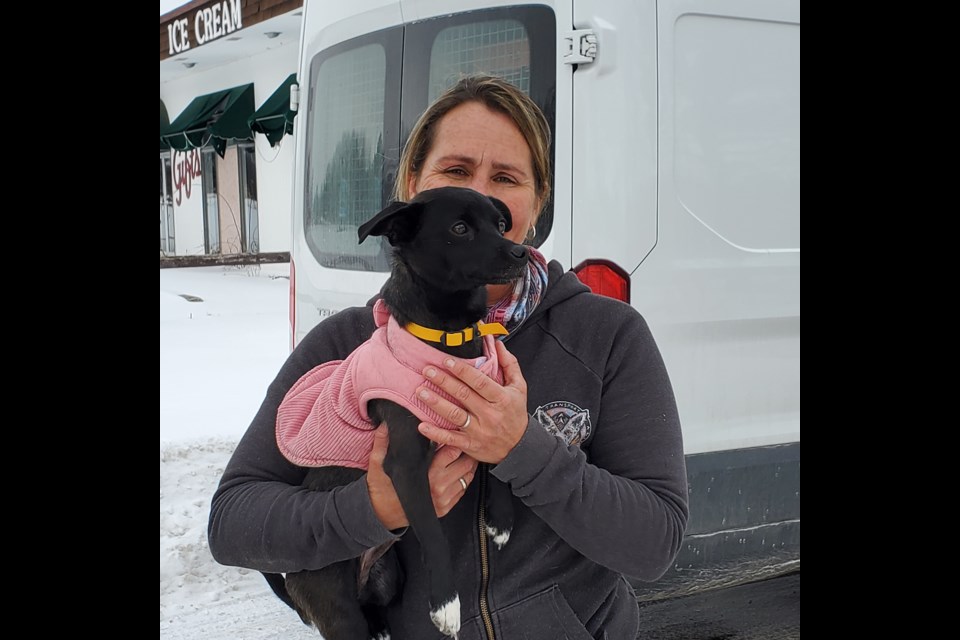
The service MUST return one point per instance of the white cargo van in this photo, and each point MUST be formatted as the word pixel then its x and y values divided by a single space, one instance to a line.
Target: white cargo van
pixel 677 188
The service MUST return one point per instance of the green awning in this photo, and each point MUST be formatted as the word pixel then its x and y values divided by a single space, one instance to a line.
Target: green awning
pixel 274 118
pixel 213 119
pixel 164 123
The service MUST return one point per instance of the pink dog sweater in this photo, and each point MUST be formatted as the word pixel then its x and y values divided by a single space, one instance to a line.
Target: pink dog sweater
pixel 323 419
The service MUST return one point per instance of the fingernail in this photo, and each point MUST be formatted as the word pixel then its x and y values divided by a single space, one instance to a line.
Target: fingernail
pixel 448 362
pixel 431 372
pixel 423 428
pixel 424 394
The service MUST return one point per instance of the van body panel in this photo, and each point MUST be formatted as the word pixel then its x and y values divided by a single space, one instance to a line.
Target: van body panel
pixel 722 288
pixel 615 135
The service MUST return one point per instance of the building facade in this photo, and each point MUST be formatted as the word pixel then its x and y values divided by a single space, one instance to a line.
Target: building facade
pixel 226 69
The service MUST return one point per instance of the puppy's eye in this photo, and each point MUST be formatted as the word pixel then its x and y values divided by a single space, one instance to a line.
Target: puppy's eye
pixel 459 229
pixel 502 226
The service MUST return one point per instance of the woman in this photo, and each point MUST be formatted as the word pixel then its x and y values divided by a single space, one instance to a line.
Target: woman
pixel 584 429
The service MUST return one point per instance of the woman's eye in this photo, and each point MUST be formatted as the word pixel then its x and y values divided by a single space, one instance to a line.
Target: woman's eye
pixel 457 171
pixel 502 226
pixel 459 228
pixel 505 180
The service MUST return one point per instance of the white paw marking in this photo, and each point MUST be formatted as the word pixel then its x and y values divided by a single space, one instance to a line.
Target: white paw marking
pixel 500 538
pixel 447 617
pixel 382 636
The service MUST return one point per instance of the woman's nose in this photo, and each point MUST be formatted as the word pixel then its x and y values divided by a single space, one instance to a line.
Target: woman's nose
pixel 479 185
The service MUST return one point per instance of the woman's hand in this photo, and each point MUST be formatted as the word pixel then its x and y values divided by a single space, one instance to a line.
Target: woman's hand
pixel 448 466
pixel 497 414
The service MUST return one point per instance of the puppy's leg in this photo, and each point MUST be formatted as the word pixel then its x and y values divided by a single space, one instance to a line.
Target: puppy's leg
pixel 377 622
pixel 327 599
pixel 379 584
pixel 499 512
pixel 407 463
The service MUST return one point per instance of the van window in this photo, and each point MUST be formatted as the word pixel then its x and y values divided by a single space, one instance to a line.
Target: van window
pixel 351 143
pixel 500 47
pixel 515 43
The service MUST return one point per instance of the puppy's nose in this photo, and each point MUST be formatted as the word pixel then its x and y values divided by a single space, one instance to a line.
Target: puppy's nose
pixel 519 252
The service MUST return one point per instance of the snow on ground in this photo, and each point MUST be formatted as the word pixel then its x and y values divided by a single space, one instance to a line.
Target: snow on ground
pixel 217 356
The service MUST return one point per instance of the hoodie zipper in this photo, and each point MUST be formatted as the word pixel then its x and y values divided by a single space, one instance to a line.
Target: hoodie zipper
pixel 484 549
pixel 484 556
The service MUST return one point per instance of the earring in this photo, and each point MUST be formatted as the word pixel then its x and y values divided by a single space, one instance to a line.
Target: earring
pixel 532 233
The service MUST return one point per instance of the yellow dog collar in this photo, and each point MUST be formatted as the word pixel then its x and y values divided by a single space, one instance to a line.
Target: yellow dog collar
pixel 456 338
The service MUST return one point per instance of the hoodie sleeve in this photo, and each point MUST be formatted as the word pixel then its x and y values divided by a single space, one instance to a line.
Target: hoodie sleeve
pixel 260 516
pixel 625 508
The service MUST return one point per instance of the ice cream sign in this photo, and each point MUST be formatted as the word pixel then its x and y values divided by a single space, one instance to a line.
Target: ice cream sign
pixel 204 25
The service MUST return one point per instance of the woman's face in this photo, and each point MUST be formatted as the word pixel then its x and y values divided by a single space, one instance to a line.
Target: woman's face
pixel 483 150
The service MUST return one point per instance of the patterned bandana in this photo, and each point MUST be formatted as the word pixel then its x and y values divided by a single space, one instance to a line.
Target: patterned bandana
pixel 513 309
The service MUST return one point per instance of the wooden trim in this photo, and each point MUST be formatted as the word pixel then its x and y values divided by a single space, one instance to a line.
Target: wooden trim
pixel 224 259
pixel 179 11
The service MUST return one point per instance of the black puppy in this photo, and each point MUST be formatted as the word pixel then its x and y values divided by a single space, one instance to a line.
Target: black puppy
pixel 448 245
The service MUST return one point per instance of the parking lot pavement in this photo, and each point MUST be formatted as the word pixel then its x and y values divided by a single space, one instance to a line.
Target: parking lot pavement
pixel 767 610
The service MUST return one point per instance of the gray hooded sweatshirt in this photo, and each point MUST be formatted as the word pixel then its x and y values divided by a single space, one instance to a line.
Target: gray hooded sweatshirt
pixel 598 483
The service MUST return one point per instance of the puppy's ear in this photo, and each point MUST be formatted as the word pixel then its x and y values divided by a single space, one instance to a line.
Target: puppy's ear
pixel 397 222
pixel 504 209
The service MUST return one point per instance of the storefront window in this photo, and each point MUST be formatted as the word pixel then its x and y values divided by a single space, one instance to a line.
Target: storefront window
pixel 167 245
pixel 211 205
pixel 248 197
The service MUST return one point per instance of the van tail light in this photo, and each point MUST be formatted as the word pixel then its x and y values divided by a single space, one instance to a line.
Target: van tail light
pixel 293 304
pixel 604 278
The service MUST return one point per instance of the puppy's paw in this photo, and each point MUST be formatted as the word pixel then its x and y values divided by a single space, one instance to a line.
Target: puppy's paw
pixel 446 617
pixel 383 635
pixel 500 538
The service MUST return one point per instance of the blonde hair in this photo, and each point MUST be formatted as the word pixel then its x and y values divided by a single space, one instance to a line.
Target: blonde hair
pixel 497 95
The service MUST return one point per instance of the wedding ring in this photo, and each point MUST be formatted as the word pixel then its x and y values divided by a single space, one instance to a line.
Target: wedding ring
pixel 463 483
pixel 466 424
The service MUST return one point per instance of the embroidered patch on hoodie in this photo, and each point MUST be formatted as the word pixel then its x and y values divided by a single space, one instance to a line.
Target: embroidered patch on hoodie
pixel 565 420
